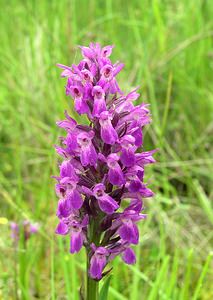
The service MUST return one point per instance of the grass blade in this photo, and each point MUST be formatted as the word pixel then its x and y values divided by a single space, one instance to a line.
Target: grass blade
pixel 202 276
pixel 162 275
pixel 104 290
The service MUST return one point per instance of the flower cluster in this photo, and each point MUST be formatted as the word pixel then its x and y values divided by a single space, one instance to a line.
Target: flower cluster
pixel 100 187
pixel 25 227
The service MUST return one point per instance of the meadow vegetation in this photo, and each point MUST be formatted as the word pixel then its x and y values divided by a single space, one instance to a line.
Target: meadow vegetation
pixel 167 50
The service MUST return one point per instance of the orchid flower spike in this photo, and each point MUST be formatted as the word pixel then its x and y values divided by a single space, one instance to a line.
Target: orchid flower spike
pixel 103 164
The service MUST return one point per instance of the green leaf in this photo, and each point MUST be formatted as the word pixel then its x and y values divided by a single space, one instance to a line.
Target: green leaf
pixel 187 278
pixel 161 277
pixel 202 276
pixel 204 200
pixel 104 290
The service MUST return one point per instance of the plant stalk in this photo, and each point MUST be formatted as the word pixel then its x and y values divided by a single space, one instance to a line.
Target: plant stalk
pixel 92 285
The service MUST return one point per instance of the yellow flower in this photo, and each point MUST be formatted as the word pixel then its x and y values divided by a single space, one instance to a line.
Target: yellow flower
pixel 3 221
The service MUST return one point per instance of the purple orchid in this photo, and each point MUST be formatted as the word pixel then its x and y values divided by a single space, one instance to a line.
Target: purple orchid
pixel 115 174
pixel 98 261
pixel 106 203
pixel 88 155
pixel 103 164
pixel 25 228
pixel 108 133
pixel 129 256
pixel 75 226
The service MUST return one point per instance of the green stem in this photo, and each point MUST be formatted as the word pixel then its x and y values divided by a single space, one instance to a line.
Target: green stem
pixel 92 287
pixel 23 266
pixel 94 237
pixel 16 271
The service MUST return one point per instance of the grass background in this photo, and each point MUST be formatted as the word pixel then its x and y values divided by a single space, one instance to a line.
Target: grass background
pixel 167 49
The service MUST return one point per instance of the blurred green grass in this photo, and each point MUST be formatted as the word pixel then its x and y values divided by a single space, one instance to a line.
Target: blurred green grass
pixel 167 49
